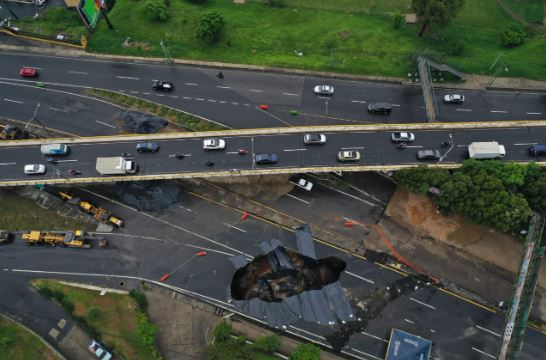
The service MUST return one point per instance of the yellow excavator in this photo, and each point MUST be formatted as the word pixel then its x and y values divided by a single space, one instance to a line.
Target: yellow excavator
pixel 98 213
pixel 74 239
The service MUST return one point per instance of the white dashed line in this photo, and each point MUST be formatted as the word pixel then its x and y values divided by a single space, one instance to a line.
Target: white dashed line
pixel 127 77
pixel 173 96
pixel 483 353
pixel 223 87
pixel 290 94
pixel 499 111
pixel 121 91
pixel 181 207
pixel 105 124
pixel 373 336
pixel 235 103
pixel 186 97
pixel 351 148
pixel 532 113
pixel 409 321
pixel 358 101
pixel 295 150
pixel 235 227
pixel 57 109
pixel 367 354
pixel 145 93
pixel 11 163
pixel 256 90
pixel 210 100
pixel 246 104
pixel 489 331
pixel 190 84
pixel 13 101
pixel 395 105
pixel 360 277
pixel 422 303
pixel 134 92
pixel 525 144
pixel 297 198
pixel 222 102
pixel 34 67
pixel 467 110
pixel 160 95
pixel 78 72
pixel 199 99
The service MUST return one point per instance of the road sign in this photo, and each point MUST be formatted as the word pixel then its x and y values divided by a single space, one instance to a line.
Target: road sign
pixel 89 11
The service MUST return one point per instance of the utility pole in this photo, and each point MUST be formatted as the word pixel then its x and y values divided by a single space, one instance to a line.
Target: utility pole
pixel 104 13
pixel 166 52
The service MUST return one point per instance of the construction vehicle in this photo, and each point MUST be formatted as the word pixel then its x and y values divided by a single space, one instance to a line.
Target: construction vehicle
pixel 10 132
pixel 74 239
pixel 98 213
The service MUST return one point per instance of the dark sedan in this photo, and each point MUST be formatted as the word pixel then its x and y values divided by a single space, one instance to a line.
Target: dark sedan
pixel 266 159
pixel 429 155
pixel 147 147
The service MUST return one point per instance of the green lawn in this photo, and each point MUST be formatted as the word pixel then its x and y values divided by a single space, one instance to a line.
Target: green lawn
pixel 53 21
pixel 18 213
pixel 117 322
pixel 16 343
pixel 531 10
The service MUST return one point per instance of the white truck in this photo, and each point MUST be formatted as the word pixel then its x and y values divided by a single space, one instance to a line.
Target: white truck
pixel 116 165
pixel 486 150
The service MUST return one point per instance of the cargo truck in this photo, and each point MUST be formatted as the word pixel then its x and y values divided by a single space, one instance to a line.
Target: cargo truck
pixel 116 165
pixel 486 150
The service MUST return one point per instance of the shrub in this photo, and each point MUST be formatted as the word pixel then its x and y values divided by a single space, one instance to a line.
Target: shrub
pixel 398 20
pixel 155 10
pixel 513 35
pixel 305 352
pixel 57 295
pixel 140 298
pixel 146 331
pixel 457 47
pixel 222 332
pixel 210 27
pixel 67 305
pixel 90 330
pixel 275 3
pixel 268 344
pixel 45 291
pixel 94 313
pixel 5 341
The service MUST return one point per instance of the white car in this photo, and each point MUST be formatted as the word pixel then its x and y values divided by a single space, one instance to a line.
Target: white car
pixel 324 90
pixel 35 169
pixel 454 99
pixel 348 155
pixel 398 137
pixel 305 184
pixel 311 139
pixel 100 350
pixel 214 144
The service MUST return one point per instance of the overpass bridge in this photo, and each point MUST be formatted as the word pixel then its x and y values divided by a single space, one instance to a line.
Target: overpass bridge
pixel 372 141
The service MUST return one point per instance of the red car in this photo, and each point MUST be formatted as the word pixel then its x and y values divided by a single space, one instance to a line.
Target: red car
pixel 28 72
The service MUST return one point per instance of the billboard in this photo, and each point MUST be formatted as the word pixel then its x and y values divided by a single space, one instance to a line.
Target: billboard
pixel 89 11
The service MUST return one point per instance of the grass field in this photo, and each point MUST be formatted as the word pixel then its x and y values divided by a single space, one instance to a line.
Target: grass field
pixel 117 321
pixel 16 343
pixel 18 213
pixel 531 10
pixel 53 21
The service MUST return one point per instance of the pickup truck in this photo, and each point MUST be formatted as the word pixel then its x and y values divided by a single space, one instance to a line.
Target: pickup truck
pixel 116 165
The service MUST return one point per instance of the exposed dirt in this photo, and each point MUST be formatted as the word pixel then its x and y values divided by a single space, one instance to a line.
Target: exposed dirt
pixel 268 187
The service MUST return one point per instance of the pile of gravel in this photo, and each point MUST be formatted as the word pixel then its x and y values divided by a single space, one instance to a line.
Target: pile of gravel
pixel 149 195
pixel 141 123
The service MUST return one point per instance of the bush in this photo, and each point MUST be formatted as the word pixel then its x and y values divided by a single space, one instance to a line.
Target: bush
pixel 306 352
pixel 513 35
pixel 45 291
pixel 57 295
pixel 222 332
pixel 268 344
pixel 146 331
pixel 210 27
pixel 5 341
pixel 275 3
pixel 67 305
pixel 90 330
pixel 140 298
pixel 94 313
pixel 457 47
pixel 155 10
pixel 398 20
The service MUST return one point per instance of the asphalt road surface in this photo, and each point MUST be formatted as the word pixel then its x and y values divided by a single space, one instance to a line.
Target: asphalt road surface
pixel 376 149
pixel 166 238
pixel 233 101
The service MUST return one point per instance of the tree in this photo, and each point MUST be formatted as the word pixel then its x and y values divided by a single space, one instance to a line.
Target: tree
pixel 210 26
pixel 437 13
pixel 267 344
pixel 305 352
pixel 421 178
pixel 155 10
pixel 222 332
pixel 513 35
pixel 398 20
pixel 535 187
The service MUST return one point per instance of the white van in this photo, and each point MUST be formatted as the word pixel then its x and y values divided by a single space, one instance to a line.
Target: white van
pixel 54 149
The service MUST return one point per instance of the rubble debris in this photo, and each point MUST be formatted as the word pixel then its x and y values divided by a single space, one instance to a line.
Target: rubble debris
pixel 140 123
pixel 149 195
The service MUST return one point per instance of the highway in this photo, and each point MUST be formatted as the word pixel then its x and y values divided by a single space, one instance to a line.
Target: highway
pixel 155 242
pixel 233 101
pixel 294 156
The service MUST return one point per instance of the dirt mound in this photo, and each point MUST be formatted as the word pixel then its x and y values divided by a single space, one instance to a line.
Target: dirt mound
pixel 266 187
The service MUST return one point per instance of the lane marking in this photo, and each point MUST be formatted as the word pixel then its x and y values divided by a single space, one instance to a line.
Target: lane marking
pixel 235 103
pixel 483 353
pixel 360 277
pixel 210 100
pixel 499 111
pixel 297 198
pixel 256 90
pixel 533 113
pixel 223 87
pixel 78 72
pixel 63 161
pixel 307 332
pixel 409 321
pixel 199 99
pixel 524 144
pixel 127 77
pixel 354 147
pixel 373 336
pixel 133 92
pixel 295 150
pixel 160 95
pixel 246 104
pixel 365 353
pixel 13 101
pixel 468 110
pixel 10 163
pixel 235 227
pixel 395 105
pixel 222 102
pixel 190 84
pixel 358 101
pixel 186 97
pixel 180 206
pixel 209 249
pixel 173 96
pixel 34 67
pixel 105 124
pixel 422 303
pixel 145 93
pixel 57 109
pixel 489 331
pixel 289 94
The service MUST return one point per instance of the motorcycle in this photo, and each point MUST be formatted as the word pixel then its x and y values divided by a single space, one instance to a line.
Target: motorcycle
pixel 401 146
pixel 179 156
pixel 446 144
pixel 209 163
pixel 242 151
pixel 220 75
pixel 73 172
